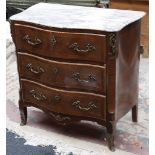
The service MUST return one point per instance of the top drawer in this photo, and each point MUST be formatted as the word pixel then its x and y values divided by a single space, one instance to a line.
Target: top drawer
pixel 63 45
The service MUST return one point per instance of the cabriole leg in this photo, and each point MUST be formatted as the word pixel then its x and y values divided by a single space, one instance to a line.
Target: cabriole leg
pixel 110 135
pixel 23 114
pixel 135 113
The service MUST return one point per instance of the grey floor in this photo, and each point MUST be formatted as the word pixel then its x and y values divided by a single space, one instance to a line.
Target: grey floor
pixel 15 146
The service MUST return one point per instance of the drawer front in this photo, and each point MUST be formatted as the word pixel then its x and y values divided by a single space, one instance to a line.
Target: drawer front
pixel 66 102
pixel 63 45
pixel 82 77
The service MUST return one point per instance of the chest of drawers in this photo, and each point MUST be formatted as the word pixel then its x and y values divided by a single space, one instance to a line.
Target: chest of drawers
pixel 78 63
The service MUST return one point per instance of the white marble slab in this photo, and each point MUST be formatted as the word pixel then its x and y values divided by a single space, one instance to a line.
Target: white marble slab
pixel 68 16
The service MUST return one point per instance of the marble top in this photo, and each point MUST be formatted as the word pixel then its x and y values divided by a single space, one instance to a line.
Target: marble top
pixel 78 17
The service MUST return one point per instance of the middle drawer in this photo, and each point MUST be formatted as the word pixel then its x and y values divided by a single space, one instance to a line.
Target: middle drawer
pixel 82 77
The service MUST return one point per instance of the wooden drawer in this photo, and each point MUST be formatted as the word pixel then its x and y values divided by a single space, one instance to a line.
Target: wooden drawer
pixel 66 102
pixel 63 45
pixel 82 77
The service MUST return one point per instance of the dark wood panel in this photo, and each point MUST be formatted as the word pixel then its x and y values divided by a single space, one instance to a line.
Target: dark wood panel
pixel 66 102
pixel 131 1
pixel 127 69
pixel 83 77
pixel 64 45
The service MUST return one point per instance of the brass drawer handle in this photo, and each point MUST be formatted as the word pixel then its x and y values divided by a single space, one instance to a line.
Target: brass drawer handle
pixel 89 107
pixel 37 71
pixel 76 76
pixel 32 42
pixel 37 95
pixel 89 48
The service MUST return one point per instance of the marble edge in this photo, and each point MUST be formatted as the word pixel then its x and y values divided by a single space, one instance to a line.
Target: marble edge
pixel 17 16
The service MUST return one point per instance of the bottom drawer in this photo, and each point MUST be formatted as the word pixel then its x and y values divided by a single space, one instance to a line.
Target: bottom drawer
pixel 66 102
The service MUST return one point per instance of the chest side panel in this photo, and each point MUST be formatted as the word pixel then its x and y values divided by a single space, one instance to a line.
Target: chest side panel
pixel 127 69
